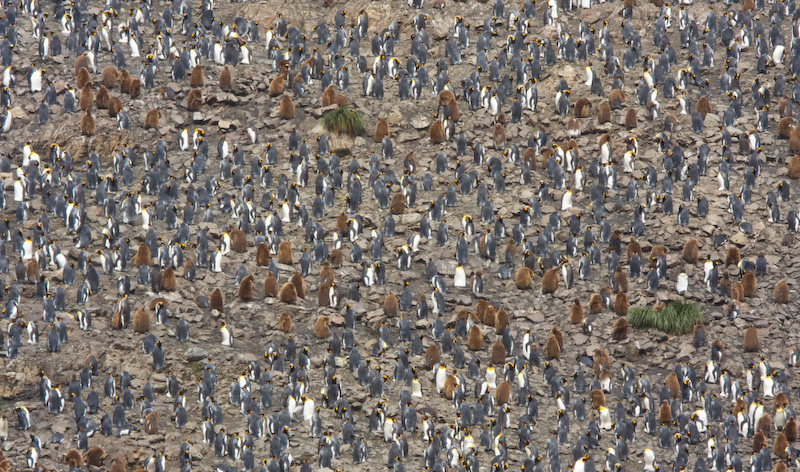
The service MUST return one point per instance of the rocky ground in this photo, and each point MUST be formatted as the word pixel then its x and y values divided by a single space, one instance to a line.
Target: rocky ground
pixel 255 323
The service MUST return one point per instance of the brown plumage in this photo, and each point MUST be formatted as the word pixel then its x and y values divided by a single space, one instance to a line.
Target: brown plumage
pixel 452 109
pixel 194 101
pixel 238 240
pixel 671 381
pixel 398 204
pixel 499 137
pixel 489 316
pixel 790 430
pixel 73 458
pixel 436 132
pixel 664 413
pixel 215 301
pixel 270 285
pixel 498 355
pixel 117 320
pixel 328 96
pixel 118 465
pixel 749 284
pixel 630 119
pixel 703 106
pixel 108 77
pixel 794 146
pixel 151 423
pixel 659 250
pixel 323 294
pixel 765 425
pixel 529 158
pixel 226 79
pixel 124 81
pixel 285 323
pixel 102 99
pixel 620 280
pixel 299 284
pixel 621 304
pixel 326 274
pixel 342 100
pixel 779 446
pixel 114 106
pixel 582 107
pixel 433 356
pixel 168 280
pixel 785 127
pixel 285 253
pixel 278 84
pixel 336 258
pixel 603 113
pixel 732 256
pixel 481 307
pixel 759 441
pixel 381 130
pixel 450 384
pixel 262 254
pixel 597 397
pixel 341 224
pixel 550 280
pixel 558 335
pixel 576 313
pixel 86 99
pixel 151 120
pixel 794 166
pixel 95 456
pixel 620 330
pixel 737 292
pixel 781 400
pixel 88 126
pixel 690 251
pixel 500 321
pixel 779 466
pixel 573 127
pixel 503 393
pixel 595 303
pixel 750 342
pixel 197 77
pixel 390 305
pixel 81 62
pixel 287 108
pixel 321 327
pixel 288 293
pixel 82 78
pixel 634 248
pixel 245 291
pixel 32 272
pixel 136 88
pixel 523 278
pixel 781 292
pixel 552 350
pixel 616 98
pixel 475 338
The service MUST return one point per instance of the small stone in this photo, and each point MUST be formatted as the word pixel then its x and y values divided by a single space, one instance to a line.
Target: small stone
pixel 194 354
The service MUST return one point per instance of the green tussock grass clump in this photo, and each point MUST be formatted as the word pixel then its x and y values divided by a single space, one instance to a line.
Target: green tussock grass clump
pixel 676 317
pixel 344 120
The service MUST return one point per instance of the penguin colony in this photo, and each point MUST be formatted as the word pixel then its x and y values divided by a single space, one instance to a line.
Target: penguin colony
pixel 420 352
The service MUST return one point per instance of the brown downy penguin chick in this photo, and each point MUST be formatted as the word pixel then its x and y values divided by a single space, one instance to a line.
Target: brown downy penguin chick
pixel 246 289
pixel 550 280
pixel 781 292
pixel 603 113
pixel 168 280
pixel 328 96
pixel 73 458
pixel 503 393
pixel 445 96
pixel 499 137
pixel 118 465
pixel 529 158
pixel 32 272
pixel 582 107
pixel 597 397
pixel 285 253
pixel 621 304
pixel 287 108
pixel 433 356
pixel 398 204
pixel 475 339
pixel 779 466
pixel 194 101
pixel 436 132
pixel 124 81
pixel 498 355
pixel 197 78
pixel 559 336
pixel 226 79
pixel 278 84
pixel 136 89
pixel 102 99
pixel 117 320
pixel 321 327
pixel 288 293
pixel 114 106
pixel 552 350
pixel 750 342
pixel 630 119
pixel 790 430
pixel 82 78
pixel 620 280
pixel 299 284
pixel 489 316
pixel 285 323
pixel 659 250
pixel 794 146
pixel 634 248
pixel 390 305
pixel 523 278
pixel 88 126
pixel 779 446
pixel 620 330
pixel 765 425
pixel 151 423
pixel 671 381
pixel 573 127
pixel 785 127
pixel 262 254
pixel 452 109
pixel 699 334
pixel 759 441
pixel 500 321
pixel 215 301
pixel 664 413
pixel 576 314
pixel 109 76
pixel 703 106
pixel 151 119
pixel 595 303
pixel 238 240
pixel 326 275
pixel 323 294
pixel 270 285
pixel 690 251
pixel 749 284
pixel 481 307
pixel 336 258
pixel 732 257
pixel 616 98
pixel 737 292
pixel 342 101
pixel 381 130
pixel 794 166
pixel 95 456
pixel 86 99
pixel 81 62
pixel 450 384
